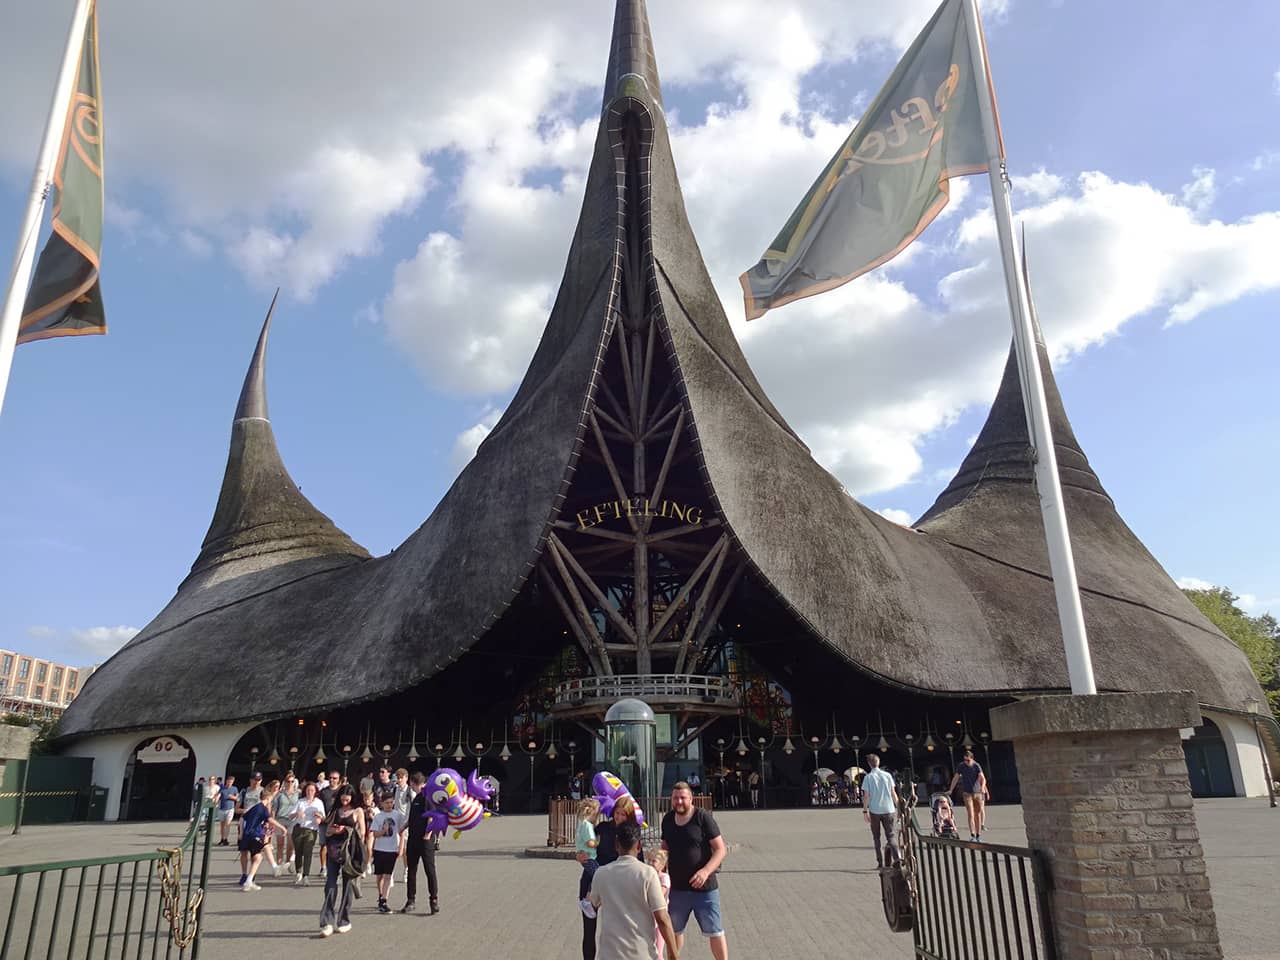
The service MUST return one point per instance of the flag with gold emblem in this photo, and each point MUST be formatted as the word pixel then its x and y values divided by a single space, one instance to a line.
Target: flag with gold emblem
pixel 65 299
pixel 889 179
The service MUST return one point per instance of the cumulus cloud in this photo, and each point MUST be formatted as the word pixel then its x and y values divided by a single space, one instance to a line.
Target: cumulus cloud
pixel 93 643
pixel 1200 193
pixel 468 442
pixel 900 517
pixel 1195 583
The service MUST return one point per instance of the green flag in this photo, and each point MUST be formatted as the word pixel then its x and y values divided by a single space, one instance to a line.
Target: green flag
pixel 64 299
pixel 889 179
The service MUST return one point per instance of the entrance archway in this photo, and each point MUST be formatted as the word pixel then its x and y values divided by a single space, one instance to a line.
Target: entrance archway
pixel 159 780
pixel 1207 763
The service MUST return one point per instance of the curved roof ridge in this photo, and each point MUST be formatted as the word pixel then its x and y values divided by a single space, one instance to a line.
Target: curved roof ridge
pixel 1003 448
pixel 631 52
pixel 262 519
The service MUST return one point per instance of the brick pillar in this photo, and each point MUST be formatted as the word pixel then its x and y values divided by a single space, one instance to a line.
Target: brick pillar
pixel 1105 796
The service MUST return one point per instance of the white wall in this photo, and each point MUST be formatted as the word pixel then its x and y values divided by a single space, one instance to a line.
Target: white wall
pixel 110 754
pixel 1242 752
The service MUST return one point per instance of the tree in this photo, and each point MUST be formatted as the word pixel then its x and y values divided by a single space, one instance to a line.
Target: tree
pixel 1258 637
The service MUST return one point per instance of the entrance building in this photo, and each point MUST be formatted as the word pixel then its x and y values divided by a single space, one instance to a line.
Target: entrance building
pixel 642 522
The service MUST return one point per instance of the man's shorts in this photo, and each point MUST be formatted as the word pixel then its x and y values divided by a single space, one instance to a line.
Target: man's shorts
pixel 252 845
pixel 226 816
pixel 384 862
pixel 705 907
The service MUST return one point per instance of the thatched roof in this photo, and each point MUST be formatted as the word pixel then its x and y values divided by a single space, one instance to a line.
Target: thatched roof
pixel 962 604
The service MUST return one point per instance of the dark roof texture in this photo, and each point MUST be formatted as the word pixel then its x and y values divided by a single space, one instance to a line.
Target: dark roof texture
pixel 963 604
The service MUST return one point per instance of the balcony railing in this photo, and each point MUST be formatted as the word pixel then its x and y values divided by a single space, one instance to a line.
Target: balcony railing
pixel 712 692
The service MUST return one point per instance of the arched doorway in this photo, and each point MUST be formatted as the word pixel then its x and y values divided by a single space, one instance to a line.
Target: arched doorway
pixel 1207 763
pixel 159 780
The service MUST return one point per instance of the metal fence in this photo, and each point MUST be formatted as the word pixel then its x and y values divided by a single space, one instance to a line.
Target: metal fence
pixel 130 906
pixel 562 818
pixel 978 901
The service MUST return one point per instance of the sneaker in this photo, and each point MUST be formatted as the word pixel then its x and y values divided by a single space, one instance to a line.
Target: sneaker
pixel 297 881
pixel 588 910
pixel 435 905
pixel 306 881
pixel 326 931
pixel 251 886
pixel 243 879
pixel 275 871
pixel 344 928
pixel 382 906
pixel 408 907
pixel 289 868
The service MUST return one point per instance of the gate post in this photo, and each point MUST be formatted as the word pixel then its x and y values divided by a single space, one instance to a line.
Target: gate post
pixel 1106 798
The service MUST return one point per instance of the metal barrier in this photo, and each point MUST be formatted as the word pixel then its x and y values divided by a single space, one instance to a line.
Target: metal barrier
pixel 123 906
pixel 977 901
pixel 562 818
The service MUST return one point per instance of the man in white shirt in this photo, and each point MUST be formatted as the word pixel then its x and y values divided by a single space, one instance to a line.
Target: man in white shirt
pixel 880 809
pixel 628 897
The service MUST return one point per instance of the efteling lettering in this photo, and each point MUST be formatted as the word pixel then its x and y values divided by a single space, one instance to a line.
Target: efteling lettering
pixel 638 507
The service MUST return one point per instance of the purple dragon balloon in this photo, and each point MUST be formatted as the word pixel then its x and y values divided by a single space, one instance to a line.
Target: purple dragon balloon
pixel 609 790
pixel 452 803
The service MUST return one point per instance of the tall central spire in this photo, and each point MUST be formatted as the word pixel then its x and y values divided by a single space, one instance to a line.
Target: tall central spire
pixel 631 51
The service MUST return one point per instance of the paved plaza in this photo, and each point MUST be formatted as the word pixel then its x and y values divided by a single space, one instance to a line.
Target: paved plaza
pixel 796 884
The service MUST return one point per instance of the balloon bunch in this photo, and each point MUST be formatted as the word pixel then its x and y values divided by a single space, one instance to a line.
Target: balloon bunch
pixel 453 803
pixel 609 790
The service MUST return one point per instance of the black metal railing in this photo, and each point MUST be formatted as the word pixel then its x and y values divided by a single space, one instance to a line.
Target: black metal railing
pixel 977 901
pixel 128 906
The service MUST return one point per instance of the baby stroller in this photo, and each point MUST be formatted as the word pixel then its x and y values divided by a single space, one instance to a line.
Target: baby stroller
pixel 944 821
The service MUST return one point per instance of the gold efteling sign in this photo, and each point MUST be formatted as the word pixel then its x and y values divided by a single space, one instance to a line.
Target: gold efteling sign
pixel 638 507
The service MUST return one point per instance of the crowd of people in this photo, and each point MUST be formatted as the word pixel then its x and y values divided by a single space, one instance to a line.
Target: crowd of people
pixel 348 831
pixel 633 905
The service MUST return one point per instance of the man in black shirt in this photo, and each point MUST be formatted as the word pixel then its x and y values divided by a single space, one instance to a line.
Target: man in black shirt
pixel 385 786
pixel 695 851
pixel 420 846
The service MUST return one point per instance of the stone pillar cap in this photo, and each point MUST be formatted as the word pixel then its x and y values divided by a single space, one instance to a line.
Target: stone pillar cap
pixel 1099 713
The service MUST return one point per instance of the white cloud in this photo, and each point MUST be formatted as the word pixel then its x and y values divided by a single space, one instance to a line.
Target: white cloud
pixel 1256 606
pixel 1200 193
pixel 900 517
pixel 1195 583
pixel 1040 185
pixel 467 442
pixel 94 643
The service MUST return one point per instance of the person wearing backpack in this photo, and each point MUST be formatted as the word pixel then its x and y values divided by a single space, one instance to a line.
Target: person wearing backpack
pixel 344 857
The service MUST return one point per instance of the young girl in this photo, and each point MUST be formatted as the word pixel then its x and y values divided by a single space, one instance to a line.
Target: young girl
pixel 659 862
pixel 584 848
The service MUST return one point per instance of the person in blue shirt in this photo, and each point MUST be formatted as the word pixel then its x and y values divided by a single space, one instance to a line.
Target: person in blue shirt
pixel 973 785
pixel 880 809
pixel 253 835
pixel 228 800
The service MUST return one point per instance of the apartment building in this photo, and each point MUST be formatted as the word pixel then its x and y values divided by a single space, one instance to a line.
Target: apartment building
pixel 35 687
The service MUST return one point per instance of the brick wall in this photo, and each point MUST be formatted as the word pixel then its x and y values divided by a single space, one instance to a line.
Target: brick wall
pixel 1112 811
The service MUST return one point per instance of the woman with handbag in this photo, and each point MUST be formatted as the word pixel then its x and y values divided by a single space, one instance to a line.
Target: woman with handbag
pixel 344 856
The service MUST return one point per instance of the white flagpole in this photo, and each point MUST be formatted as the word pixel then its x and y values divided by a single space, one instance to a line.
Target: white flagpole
pixel 1061 563
pixel 20 276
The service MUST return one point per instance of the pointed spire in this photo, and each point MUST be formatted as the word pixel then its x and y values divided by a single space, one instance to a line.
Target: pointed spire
pixel 253 395
pixel 1002 451
pixel 631 52
pixel 262 519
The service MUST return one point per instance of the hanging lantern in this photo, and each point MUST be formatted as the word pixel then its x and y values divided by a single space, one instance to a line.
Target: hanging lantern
pixel 743 749
pixel 413 753
pixel 966 741
pixel 836 745
pixel 505 754
pixel 273 758
pixel 320 757
pixel 366 756
pixel 883 745
pixel 788 747
pixel 551 752
pixel 930 744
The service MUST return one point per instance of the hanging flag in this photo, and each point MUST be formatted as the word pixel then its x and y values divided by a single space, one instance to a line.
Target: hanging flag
pixel 889 179
pixel 64 299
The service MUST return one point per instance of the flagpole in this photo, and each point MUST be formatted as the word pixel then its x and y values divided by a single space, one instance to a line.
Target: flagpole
pixel 20 276
pixel 1062 566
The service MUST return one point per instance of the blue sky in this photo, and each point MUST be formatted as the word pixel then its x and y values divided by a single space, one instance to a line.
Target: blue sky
pixel 413 186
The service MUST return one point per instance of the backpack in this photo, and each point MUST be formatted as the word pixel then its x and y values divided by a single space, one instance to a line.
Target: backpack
pixel 354 855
